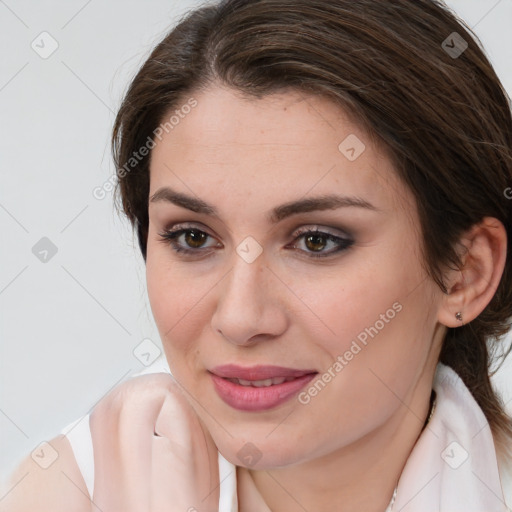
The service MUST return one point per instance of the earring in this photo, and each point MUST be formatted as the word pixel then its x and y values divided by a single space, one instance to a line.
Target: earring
pixel 458 316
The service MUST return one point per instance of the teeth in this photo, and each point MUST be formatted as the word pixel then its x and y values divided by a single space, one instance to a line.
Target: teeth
pixel 262 383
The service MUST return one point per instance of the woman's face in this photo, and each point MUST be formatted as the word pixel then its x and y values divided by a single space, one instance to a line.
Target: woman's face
pixel 347 314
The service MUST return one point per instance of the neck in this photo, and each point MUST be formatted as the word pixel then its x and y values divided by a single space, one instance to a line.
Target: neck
pixel 358 477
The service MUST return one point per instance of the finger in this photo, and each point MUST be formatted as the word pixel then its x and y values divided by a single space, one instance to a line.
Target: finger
pixel 122 427
pixel 186 446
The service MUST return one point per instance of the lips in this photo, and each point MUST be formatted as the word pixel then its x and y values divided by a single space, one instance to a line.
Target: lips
pixel 233 371
pixel 258 388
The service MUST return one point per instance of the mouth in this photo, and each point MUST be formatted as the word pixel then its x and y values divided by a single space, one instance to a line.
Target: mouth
pixel 264 383
pixel 258 388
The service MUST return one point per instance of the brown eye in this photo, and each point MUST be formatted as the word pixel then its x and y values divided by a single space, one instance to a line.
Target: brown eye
pixel 194 238
pixel 188 241
pixel 315 242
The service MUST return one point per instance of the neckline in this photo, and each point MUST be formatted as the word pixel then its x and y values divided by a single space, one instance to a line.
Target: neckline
pixel 433 401
pixel 255 496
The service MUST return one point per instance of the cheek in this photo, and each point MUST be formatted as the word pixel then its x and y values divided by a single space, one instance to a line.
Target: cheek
pixel 179 295
pixel 368 298
pixel 375 334
pixel 174 301
pixel 383 335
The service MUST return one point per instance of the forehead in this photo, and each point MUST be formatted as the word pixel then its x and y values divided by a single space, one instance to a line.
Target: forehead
pixel 280 146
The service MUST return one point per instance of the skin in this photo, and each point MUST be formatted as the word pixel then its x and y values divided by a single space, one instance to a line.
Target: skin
pixel 246 156
pixel 156 437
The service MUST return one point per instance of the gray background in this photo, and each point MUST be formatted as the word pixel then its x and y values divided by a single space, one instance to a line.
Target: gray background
pixel 70 324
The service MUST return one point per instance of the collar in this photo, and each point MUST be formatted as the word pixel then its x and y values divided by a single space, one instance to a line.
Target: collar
pixel 453 466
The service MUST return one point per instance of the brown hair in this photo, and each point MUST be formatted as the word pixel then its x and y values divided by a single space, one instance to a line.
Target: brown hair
pixel 444 118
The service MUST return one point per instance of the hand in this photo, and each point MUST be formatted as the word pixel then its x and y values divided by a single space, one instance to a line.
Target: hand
pixel 151 451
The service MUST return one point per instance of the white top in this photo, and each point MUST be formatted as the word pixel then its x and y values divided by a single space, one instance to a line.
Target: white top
pixel 452 467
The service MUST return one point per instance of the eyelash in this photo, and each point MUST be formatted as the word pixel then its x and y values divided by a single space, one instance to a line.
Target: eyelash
pixel 169 237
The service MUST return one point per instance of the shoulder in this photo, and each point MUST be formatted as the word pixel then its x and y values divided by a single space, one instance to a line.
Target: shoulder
pixel 59 487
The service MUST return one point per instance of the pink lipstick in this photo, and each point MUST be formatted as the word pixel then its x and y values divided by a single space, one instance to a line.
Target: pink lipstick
pixel 258 388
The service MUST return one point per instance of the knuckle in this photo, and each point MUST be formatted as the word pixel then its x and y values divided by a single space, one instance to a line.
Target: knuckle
pixel 142 394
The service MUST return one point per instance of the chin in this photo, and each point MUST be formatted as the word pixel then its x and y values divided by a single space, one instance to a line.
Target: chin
pixel 260 453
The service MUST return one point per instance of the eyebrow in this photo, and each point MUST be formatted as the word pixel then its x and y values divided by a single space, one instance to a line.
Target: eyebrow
pixel 324 202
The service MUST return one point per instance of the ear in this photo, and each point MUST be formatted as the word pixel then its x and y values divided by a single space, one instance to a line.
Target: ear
pixel 471 288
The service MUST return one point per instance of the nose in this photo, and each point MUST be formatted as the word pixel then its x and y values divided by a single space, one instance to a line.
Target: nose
pixel 249 306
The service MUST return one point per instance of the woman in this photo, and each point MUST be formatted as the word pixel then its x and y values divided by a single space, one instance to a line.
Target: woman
pixel 319 190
